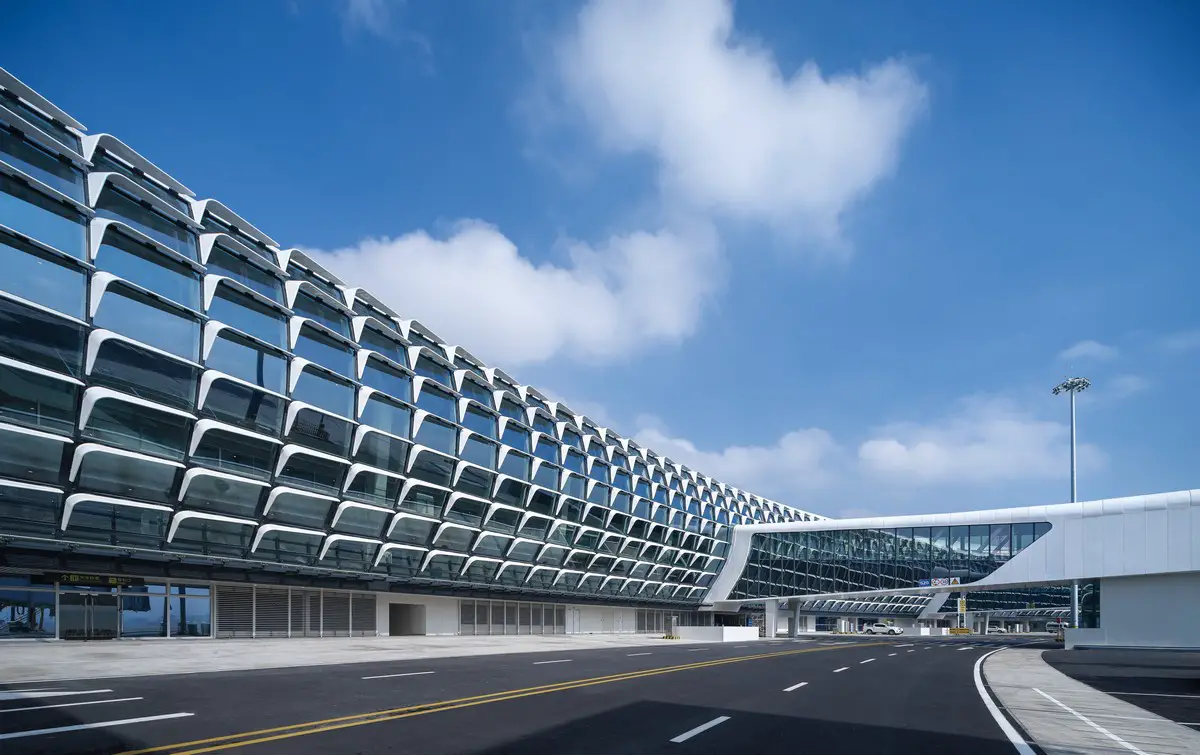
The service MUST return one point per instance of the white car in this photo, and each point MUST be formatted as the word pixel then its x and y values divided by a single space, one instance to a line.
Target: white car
pixel 883 629
pixel 996 630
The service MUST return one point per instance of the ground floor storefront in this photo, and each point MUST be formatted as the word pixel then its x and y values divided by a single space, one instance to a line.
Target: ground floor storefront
pixel 103 607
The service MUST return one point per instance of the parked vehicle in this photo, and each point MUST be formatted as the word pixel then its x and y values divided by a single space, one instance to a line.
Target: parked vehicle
pixel 1057 626
pixel 994 629
pixel 883 629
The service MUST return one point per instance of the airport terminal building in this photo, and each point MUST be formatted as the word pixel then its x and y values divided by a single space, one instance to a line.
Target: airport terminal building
pixel 204 434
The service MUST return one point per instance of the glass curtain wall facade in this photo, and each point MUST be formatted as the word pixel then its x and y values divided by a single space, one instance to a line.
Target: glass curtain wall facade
pixel 782 564
pixel 172 380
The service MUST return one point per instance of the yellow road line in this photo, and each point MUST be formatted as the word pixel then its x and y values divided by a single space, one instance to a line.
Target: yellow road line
pixel 227 741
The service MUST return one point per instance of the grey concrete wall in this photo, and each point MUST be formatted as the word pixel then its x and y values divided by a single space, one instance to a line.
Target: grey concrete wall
pixel 1160 611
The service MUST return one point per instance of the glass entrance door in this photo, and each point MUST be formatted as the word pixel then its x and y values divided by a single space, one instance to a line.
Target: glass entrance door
pixel 88 616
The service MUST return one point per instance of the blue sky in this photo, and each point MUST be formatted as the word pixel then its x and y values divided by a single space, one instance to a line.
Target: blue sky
pixel 835 253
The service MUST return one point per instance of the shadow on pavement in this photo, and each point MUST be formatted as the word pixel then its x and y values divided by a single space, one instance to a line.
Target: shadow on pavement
pixel 648 727
pixel 1151 674
pixel 18 715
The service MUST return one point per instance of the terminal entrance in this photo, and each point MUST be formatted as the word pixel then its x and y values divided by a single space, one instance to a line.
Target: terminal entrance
pixel 87 616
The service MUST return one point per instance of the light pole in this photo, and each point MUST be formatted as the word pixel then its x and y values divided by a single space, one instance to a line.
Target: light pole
pixel 1071 386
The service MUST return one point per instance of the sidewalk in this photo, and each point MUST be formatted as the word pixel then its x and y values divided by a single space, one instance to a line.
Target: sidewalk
pixel 1067 717
pixel 46 661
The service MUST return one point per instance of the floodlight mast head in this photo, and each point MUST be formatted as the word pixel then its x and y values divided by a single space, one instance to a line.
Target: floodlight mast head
pixel 1072 385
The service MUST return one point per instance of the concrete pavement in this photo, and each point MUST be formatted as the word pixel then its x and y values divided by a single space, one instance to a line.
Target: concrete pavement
pixel 1067 717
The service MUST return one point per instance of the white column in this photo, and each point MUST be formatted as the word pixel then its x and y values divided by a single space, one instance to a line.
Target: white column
pixel 772 618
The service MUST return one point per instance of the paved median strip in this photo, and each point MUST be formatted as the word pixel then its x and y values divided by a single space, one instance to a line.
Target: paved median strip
pixel 230 741
pixel 700 729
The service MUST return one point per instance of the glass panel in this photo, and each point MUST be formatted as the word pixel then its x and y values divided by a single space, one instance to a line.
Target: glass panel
pixel 326 352
pixel 37 401
pixel 40 278
pixel 437 436
pixel 138 372
pixel 29 212
pixel 25 511
pixel 150 269
pixel 238 358
pixel 27 614
pixel 289 548
pixel 412 531
pixel 133 315
pixel 117 525
pixel 138 428
pixel 191 617
pixel 516 465
pixel 30 458
pixel 242 406
pixel 474 390
pixel 123 477
pixel 432 468
pixel 113 204
pixel 235 453
pixel 221 262
pixel 480 422
pixel 370 487
pixel 392 382
pixel 1022 536
pixel 143 615
pixel 362 522
pixel 387 416
pixel 433 370
pixel 479 451
pixel 213 538
pixel 103 163
pixel 218 495
pixel 321 475
pixel 249 316
pixel 324 392
pixel 373 340
pixel 308 306
pixel 321 432
pixel 46 167
pixel 383 452
pixel 301 511
pixel 298 273
pixel 41 339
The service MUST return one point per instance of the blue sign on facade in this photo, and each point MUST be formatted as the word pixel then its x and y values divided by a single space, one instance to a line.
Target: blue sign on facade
pixel 922 583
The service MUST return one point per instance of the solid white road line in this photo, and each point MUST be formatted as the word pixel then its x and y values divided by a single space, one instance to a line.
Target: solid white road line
pixel 1150 694
pixel 913 650
pixel 1092 724
pixel 890 655
pixel 866 661
pixel 96 725
pixel 968 647
pixel 700 729
pixel 840 670
pixel 634 655
pixel 561 660
pixel 71 705
pixel 795 687
pixel 1017 741
pixel 696 650
pixel 35 695
pixel 393 676
pixel 905 645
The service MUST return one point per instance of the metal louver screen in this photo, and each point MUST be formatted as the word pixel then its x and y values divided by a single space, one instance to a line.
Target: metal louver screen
pixel 271 612
pixel 335 619
pixel 235 611
pixel 362 615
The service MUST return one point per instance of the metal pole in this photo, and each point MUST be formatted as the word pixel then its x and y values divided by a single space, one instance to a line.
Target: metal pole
pixel 1074 496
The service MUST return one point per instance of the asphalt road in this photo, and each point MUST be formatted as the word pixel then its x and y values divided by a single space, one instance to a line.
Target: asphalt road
pixel 832 695
pixel 1163 682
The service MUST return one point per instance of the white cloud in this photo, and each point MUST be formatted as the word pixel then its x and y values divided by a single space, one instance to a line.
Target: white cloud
pixel 1089 350
pixel 475 288
pixel 987 440
pixel 802 460
pixel 374 16
pixel 732 134
pixel 1186 340
pixel 1124 386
